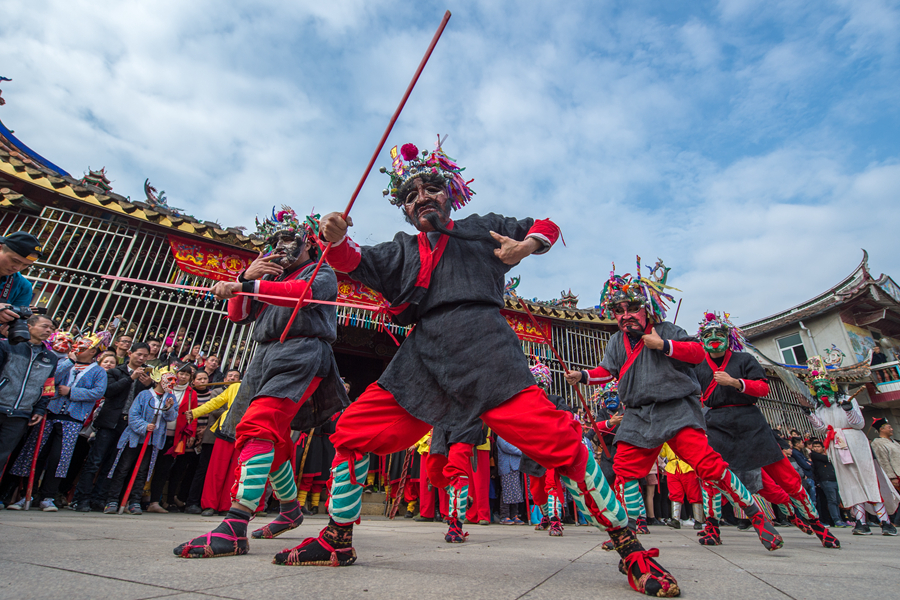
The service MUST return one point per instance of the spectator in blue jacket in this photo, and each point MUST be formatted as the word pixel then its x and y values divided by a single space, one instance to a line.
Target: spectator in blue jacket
pixel 79 385
pixel 509 458
pixel 27 370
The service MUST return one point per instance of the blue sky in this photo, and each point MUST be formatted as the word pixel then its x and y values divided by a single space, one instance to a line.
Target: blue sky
pixel 752 145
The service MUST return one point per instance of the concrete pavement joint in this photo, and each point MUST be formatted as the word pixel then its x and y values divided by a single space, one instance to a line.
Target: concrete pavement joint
pixel 754 575
pixel 557 572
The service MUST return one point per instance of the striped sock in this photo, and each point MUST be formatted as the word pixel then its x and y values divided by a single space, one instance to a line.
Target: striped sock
pixel 712 502
pixel 254 471
pixel 611 513
pixel 634 502
pixel 346 496
pixel 458 498
pixel 805 507
pixel 283 482
pixel 301 496
pixel 736 492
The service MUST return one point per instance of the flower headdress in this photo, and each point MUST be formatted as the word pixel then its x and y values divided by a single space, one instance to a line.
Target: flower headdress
pixel 712 320
pixel 628 288
pixel 437 163
pixel 286 221
pixel 100 340
pixel 817 373
pixel 541 373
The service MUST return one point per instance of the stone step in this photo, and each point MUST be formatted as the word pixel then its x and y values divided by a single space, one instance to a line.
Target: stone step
pixel 373 504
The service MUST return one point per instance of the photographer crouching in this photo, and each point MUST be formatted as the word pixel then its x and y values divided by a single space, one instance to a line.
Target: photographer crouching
pixel 26 383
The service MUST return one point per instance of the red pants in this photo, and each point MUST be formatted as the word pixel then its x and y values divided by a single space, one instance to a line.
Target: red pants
pixel 309 484
pixel 220 476
pixel 542 487
pixel 426 496
pixel 480 489
pixel 691 446
pixel 528 420
pixel 442 470
pixel 684 487
pixel 411 492
pixel 270 419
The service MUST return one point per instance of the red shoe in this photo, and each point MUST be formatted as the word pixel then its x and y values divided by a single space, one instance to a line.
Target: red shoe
pixel 767 533
pixel 826 537
pixel 800 524
pixel 556 528
pixel 455 535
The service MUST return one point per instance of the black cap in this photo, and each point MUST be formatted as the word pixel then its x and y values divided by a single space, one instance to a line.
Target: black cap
pixel 24 244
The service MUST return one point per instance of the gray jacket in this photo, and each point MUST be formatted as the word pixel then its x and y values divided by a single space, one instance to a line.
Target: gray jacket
pixel 25 370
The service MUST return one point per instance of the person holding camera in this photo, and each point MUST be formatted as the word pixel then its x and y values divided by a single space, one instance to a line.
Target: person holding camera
pixel 26 384
pixel 79 384
pixel 18 251
pixel 124 383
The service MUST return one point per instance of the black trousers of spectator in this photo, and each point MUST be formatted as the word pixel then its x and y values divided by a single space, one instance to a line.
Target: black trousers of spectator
pixel 97 465
pixel 12 430
pixel 182 475
pixel 832 500
pixel 79 455
pixel 196 490
pixel 49 458
pixel 123 475
pixel 162 470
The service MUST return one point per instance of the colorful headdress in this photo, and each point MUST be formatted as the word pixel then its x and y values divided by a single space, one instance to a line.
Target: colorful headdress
pixel 285 221
pixel 609 395
pixel 100 340
pixel 712 320
pixel 628 288
pixel 436 163
pixel 166 378
pixel 817 373
pixel 62 341
pixel 541 374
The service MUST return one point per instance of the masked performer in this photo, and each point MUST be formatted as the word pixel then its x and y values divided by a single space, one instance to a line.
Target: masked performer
pixel 288 385
pixel 840 420
pixel 449 281
pixel 732 383
pixel 653 360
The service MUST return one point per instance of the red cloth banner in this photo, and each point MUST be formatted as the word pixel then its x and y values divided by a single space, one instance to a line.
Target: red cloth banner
pixel 525 329
pixel 207 260
pixel 353 292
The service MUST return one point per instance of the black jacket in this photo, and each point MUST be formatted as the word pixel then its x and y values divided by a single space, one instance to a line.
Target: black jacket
pixel 118 387
pixel 822 467
pixel 26 371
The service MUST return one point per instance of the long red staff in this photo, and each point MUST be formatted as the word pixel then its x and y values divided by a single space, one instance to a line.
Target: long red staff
pixel 140 458
pixel 34 460
pixel 372 160
pixel 562 363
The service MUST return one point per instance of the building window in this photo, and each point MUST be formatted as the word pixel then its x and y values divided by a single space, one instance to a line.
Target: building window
pixel 792 350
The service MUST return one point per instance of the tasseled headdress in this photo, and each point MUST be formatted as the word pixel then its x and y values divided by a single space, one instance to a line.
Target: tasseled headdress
pixel 712 320
pixel 286 221
pixel 436 163
pixel 541 374
pixel 628 288
pixel 100 340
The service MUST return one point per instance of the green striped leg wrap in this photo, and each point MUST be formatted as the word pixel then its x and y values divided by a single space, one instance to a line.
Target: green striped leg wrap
pixel 712 502
pixel 735 491
pixel 595 484
pixel 252 482
pixel 545 508
pixel 554 507
pixel 458 498
pixel 283 482
pixel 634 502
pixel 786 509
pixel 345 504
pixel 806 508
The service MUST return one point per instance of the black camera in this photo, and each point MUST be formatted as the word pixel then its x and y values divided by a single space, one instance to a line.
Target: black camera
pixel 18 329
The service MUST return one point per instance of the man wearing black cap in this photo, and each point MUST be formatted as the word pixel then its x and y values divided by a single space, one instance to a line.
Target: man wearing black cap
pixel 18 251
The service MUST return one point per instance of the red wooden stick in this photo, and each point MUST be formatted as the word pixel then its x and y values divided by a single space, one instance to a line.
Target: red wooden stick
pixel 137 467
pixel 559 359
pixel 37 449
pixel 372 160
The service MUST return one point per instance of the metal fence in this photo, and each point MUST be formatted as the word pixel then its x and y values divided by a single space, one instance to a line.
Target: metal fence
pixel 782 410
pixel 80 248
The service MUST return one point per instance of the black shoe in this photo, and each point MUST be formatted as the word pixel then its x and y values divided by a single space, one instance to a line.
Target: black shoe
pixel 654 522
pixel 314 510
pixel 862 528
pixel 193 510
pixel 422 519
pixel 409 514
pixel 304 511
pixel 83 507
pixel 698 525
pixel 887 528
pixel 744 524
pixel 673 523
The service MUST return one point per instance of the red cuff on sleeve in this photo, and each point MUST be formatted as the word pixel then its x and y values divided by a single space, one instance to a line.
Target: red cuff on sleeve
pixel 290 291
pixel 598 376
pixel 238 308
pixel 689 352
pixel 756 387
pixel 545 229
pixel 344 256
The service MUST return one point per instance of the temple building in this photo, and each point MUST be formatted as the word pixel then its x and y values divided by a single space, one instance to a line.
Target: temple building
pixel 843 325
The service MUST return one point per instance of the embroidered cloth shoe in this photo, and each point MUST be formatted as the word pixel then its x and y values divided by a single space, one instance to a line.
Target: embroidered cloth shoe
pixel 645 575
pixel 767 533
pixel 556 528
pixel 455 535
pixel 333 548
pixel 543 525
pixel 641 525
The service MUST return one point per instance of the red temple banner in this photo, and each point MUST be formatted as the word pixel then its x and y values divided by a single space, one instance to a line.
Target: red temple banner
pixel 353 292
pixel 206 260
pixel 525 329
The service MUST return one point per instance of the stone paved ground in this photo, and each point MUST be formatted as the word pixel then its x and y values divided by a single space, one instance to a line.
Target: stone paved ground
pixel 72 556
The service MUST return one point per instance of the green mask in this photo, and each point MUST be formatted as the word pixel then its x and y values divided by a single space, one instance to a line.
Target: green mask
pixel 715 340
pixel 823 392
